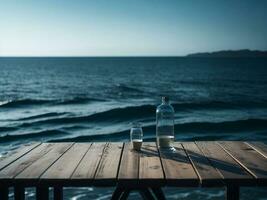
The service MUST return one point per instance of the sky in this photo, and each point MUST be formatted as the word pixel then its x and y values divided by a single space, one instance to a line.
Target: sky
pixel 130 27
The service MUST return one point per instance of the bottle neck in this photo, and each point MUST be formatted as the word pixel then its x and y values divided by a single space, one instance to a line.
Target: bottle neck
pixel 165 100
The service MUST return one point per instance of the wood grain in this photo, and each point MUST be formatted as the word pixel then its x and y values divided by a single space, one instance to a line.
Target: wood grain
pixel 86 169
pixel 63 168
pixel 19 165
pixel 259 147
pixel 231 171
pixel 129 167
pixel 177 167
pixel 35 170
pixel 106 174
pixel 150 168
pixel 16 154
pixel 209 176
pixel 212 164
pixel 248 158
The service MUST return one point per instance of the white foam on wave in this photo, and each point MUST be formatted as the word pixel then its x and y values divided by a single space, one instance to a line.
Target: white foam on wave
pixel 4 102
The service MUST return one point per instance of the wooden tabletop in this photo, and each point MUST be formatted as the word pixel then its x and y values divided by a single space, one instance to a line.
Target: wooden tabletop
pixel 207 164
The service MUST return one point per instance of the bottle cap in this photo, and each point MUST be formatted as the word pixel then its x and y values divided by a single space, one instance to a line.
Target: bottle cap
pixel 165 99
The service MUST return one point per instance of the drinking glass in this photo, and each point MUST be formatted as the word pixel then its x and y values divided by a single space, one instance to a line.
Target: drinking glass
pixel 136 135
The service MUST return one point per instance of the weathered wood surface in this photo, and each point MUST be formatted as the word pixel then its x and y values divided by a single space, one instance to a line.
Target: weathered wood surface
pixel 207 164
pixel 35 170
pixel 64 167
pixel 129 167
pixel 248 158
pixel 16 154
pixel 178 168
pixel 107 171
pixel 16 167
pixel 260 147
pixel 85 171
pixel 229 169
pixel 150 168
pixel 207 173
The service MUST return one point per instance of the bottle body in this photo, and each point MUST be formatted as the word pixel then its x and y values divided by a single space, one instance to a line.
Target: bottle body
pixel 165 124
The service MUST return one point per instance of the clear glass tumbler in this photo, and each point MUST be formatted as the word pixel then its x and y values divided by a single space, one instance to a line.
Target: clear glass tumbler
pixel 136 135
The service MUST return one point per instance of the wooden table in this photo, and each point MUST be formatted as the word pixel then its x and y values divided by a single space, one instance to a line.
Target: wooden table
pixel 193 164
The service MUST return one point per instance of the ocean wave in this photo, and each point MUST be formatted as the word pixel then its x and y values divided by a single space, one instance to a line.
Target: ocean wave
pixel 112 115
pixel 130 113
pixel 193 130
pixel 38 102
pixel 209 105
pixel 23 102
pixel 5 129
pixel 237 126
pixel 146 107
pixel 204 130
pixel 117 136
pixel 50 114
pixel 225 126
pixel 124 88
pixel 45 133
pixel 78 100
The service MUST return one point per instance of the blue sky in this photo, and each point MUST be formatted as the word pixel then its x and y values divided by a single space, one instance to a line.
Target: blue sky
pixel 130 27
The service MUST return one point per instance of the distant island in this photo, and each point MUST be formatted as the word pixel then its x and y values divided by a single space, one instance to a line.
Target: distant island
pixel 231 53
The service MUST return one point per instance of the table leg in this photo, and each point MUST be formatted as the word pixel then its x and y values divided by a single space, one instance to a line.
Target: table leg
pixel 232 192
pixel 146 194
pixel 117 193
pixel 158 193
pixel 3 192
pixel 42 193
pixel 122 193
pixel 19 192
pixel 58 193
pixel 125 195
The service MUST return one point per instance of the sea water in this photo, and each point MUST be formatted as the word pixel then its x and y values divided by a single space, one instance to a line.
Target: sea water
pixel 95 99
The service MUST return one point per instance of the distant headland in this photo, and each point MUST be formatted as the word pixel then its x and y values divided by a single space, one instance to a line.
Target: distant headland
pixel 231 53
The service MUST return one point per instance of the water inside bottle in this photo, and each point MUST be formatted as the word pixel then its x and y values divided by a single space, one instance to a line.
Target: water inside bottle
pixel 165 136
pixel 165 141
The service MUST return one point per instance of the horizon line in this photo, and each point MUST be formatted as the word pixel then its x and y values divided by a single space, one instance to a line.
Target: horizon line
pixel 102 56
pixel 109 56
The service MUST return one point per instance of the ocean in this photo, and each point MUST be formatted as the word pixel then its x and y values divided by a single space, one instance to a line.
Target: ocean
pixel 87 99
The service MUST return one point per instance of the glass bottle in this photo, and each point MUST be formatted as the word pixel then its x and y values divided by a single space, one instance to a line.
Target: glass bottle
pixel 165 124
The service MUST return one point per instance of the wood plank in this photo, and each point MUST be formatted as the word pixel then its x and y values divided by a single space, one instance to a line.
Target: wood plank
pixel 209 176
pixel 150 168
pixel 35 170
pixel 86 170
pixel 106 174
pixel 63 168
pixel 129 167
pixel 248 158
pixel 19 165
pixel 177 167
pixel 16 154
pixel 259 147
pixel 231 171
